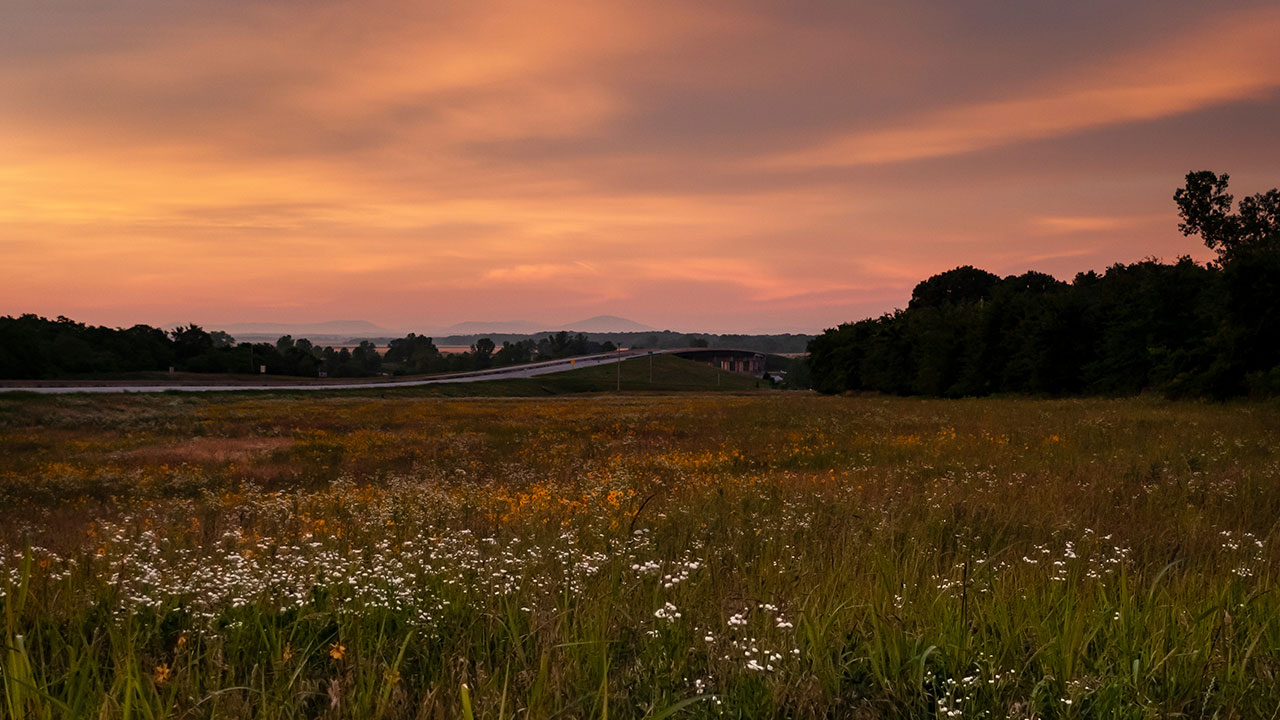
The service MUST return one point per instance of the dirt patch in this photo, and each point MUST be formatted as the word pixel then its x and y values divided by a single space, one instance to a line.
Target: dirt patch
pixel 208 450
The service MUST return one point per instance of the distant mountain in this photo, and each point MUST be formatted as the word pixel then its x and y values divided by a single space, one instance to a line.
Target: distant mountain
pixel 508 327
pixel 352 328
pixel 606 324
pixel 599 323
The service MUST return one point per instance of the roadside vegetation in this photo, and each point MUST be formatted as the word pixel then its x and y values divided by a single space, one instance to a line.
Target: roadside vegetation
pixel 768 555
pixel 34 347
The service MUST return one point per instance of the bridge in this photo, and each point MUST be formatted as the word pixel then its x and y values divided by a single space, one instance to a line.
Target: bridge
pixel 747 362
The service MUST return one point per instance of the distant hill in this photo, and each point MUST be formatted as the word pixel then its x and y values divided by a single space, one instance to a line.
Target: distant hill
pixel 597 324
pixel 508 327
pixel 605 324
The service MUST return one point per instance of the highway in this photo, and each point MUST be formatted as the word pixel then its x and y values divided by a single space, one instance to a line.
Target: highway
pixel 527 370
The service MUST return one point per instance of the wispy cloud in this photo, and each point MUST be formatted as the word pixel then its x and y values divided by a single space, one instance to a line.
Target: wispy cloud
pixel 540 272
pixel 1236 58
pixel 1064 225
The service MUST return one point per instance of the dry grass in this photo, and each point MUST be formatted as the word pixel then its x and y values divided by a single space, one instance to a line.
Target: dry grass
pixel 202 451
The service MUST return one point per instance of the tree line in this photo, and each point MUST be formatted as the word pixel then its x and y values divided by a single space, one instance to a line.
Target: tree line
pixel 660 339
pixel 33 347
pixel 1182 328
pixel 417 354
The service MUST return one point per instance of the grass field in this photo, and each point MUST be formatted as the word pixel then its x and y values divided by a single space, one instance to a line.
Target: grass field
pixel 759 555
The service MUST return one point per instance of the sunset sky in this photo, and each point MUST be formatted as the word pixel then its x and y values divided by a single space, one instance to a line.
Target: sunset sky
pixel 714 166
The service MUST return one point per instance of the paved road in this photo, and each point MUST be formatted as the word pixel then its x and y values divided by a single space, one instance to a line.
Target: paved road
pixel 519 371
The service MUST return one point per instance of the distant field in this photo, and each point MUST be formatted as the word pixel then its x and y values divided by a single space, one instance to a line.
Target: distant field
pixel 637 555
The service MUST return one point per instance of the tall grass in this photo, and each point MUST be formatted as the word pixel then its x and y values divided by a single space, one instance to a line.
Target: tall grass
pixel 771 556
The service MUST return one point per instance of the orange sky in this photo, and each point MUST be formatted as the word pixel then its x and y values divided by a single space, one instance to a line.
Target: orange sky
pixel 717 166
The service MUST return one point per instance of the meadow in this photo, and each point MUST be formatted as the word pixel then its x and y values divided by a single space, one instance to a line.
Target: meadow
pixel 637 556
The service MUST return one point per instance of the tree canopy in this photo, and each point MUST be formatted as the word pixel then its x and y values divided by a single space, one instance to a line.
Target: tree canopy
pixel 1181 328
pixel 1205 208
pixel 33 347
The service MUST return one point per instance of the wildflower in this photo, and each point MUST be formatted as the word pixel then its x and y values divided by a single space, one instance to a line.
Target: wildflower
pixel 336 651
pixel 287 655
pixel 162 673
pixel 667 612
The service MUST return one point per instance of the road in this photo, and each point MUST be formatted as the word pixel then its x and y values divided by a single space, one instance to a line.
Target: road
pixel 518 371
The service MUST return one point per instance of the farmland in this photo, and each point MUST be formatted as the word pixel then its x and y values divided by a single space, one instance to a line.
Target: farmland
pixel 637 555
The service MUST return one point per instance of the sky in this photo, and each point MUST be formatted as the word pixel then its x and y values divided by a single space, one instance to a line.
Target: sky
pixel 718 166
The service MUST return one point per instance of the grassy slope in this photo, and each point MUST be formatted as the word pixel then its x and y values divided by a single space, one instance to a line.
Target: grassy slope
pixel 670 374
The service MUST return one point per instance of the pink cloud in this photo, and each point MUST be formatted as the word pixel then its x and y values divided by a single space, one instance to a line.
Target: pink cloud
pixel 1236 58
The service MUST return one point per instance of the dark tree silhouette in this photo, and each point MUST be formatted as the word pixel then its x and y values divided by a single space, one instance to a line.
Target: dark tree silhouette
pixel 964 284
pixel 1205 208
pixel 482 353
pixel 190 341
pixel 1181 329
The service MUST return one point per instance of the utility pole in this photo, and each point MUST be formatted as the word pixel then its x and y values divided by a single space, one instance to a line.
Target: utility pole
pixel 619 364
pixel 650 367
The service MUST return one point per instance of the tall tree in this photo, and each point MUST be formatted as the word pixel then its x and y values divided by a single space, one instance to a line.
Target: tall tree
pixel 1248 245
pixel 1205 208
pixel 964 284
